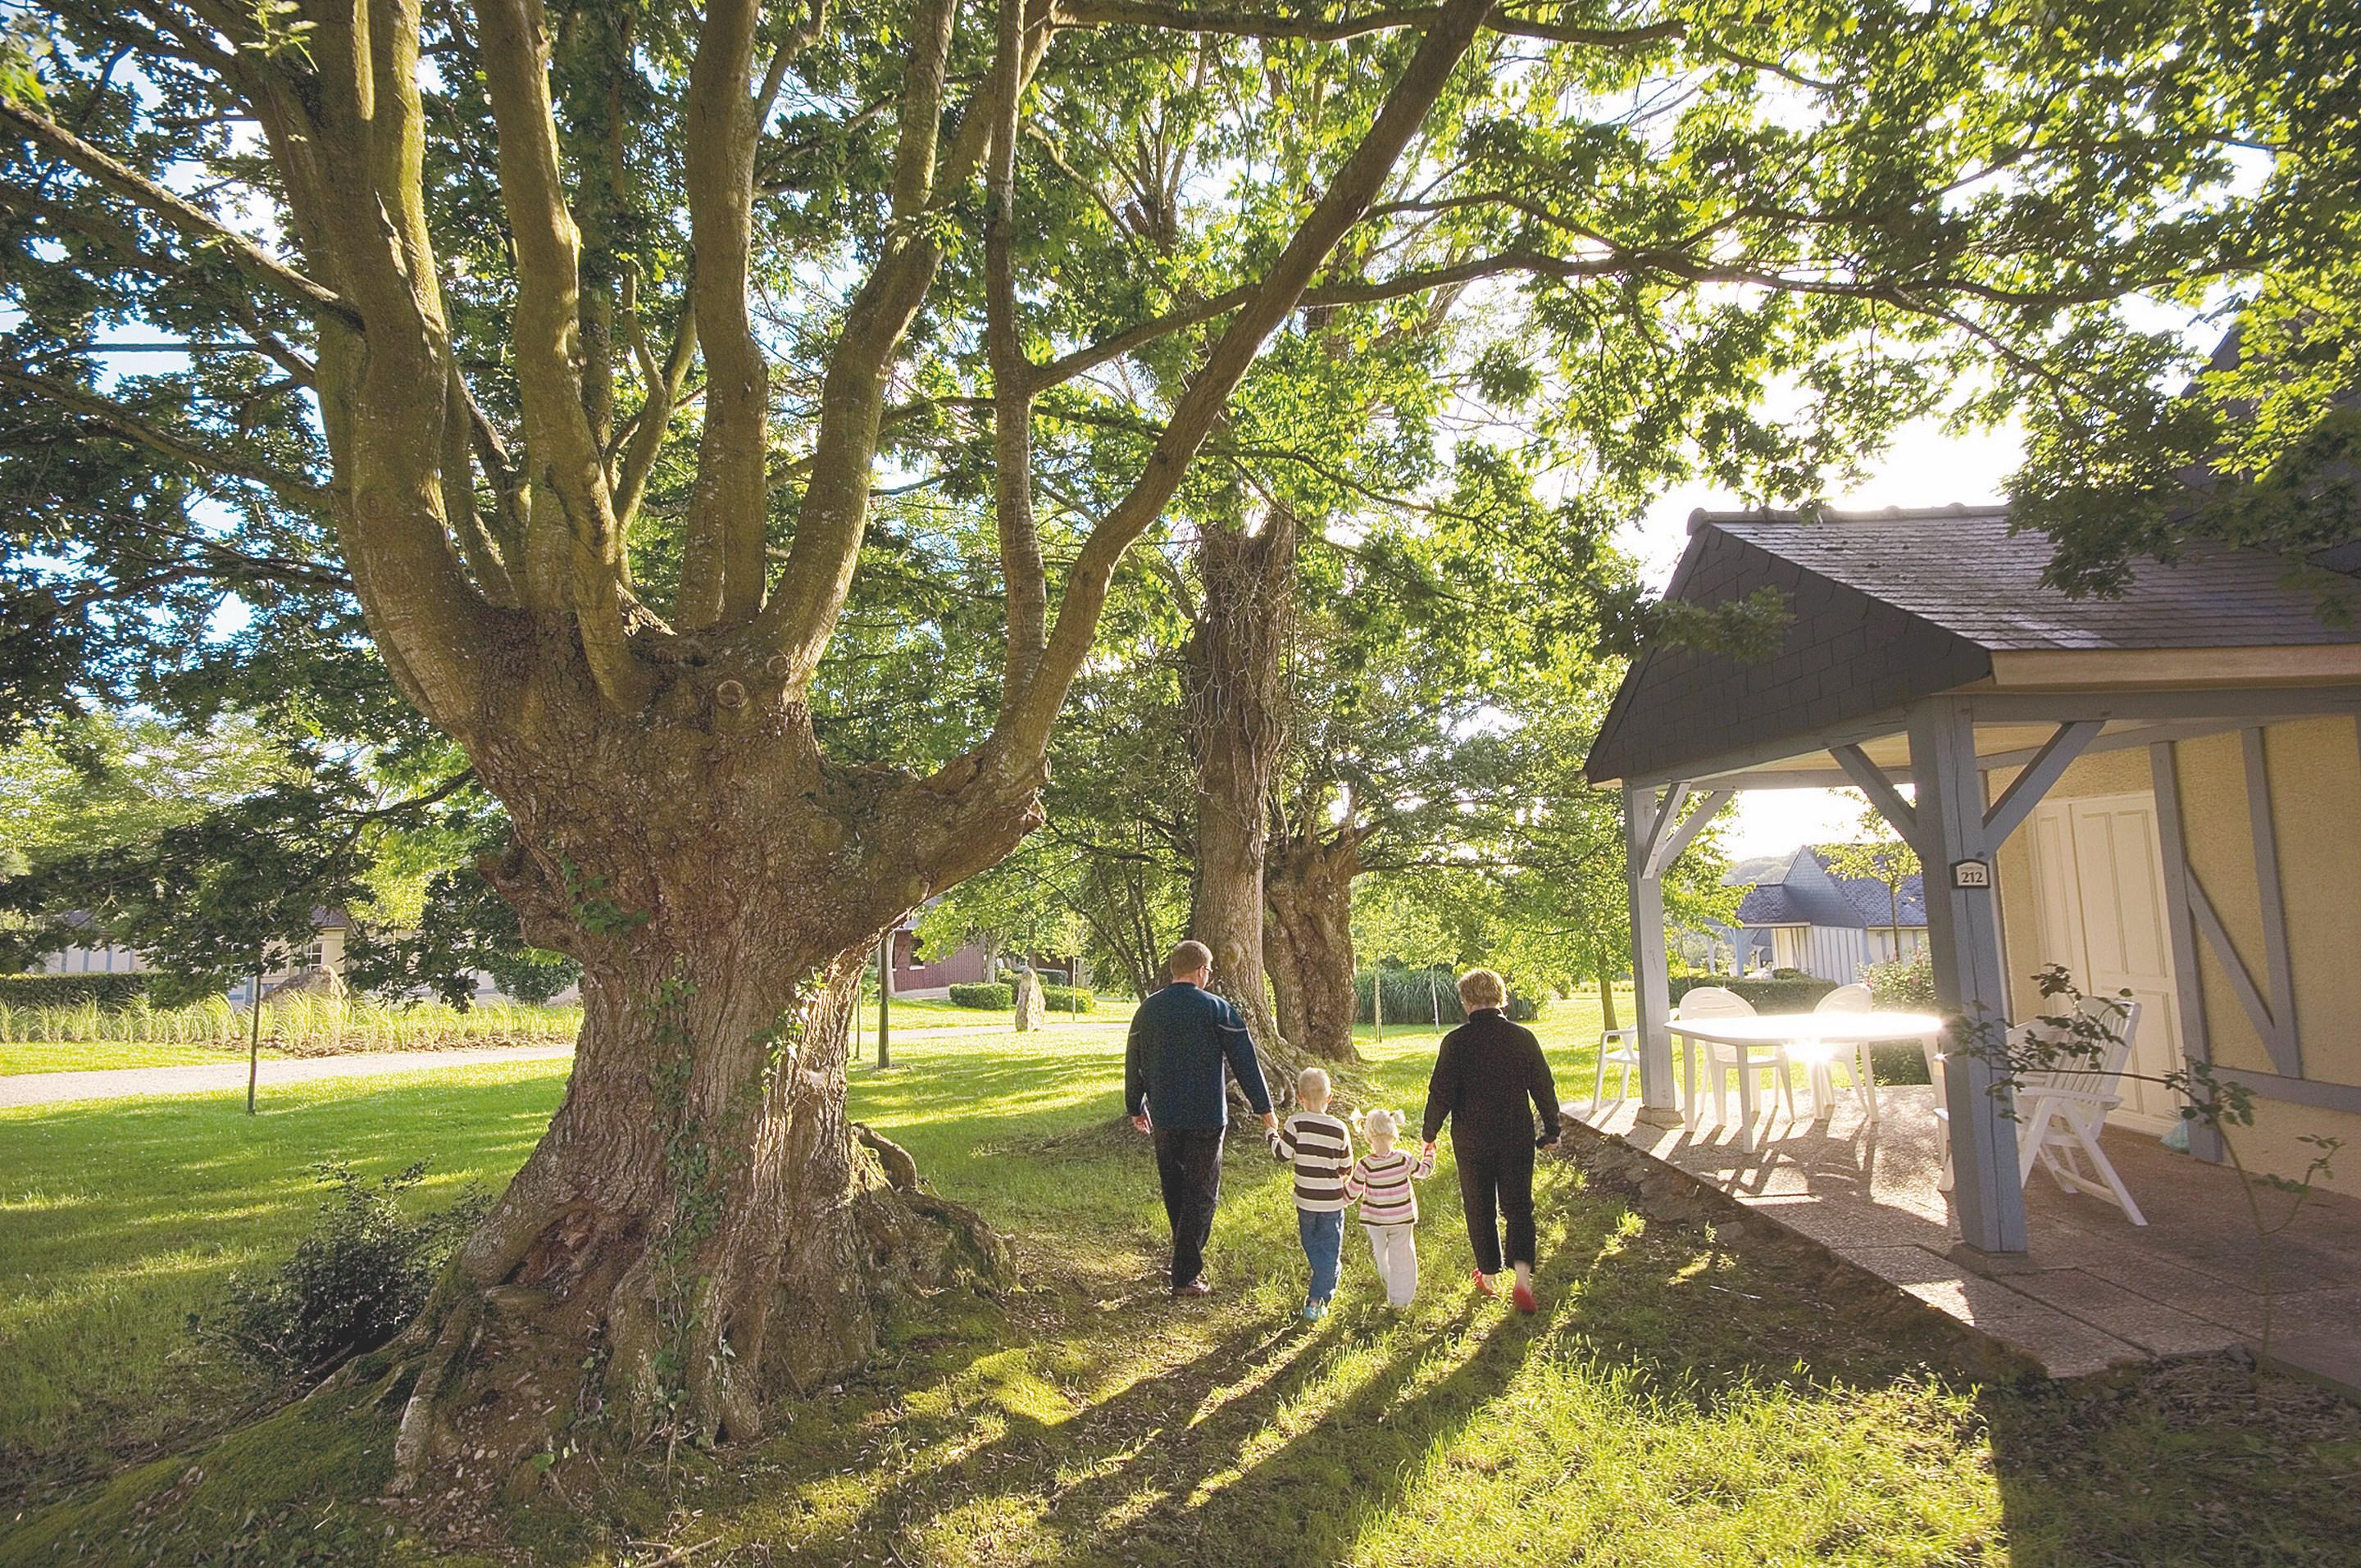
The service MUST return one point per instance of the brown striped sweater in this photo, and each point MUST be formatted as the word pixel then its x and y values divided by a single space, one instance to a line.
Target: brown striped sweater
pixel 1320 1147
pixel 1382 1183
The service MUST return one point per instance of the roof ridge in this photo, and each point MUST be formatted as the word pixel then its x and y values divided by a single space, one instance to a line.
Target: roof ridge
pixel 1703 517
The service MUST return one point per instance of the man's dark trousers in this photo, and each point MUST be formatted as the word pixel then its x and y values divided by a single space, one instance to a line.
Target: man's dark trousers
pixel 1189 1164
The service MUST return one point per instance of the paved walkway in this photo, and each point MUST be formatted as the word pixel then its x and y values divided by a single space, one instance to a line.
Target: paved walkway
pixel 200 1078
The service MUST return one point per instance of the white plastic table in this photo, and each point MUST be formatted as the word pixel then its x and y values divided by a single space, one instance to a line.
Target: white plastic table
pixel 1800 1033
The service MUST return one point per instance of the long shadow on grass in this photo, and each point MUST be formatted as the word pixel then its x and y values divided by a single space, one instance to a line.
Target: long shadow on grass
pixel 1280 1444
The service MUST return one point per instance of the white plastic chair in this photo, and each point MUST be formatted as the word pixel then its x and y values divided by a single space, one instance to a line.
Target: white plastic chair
pixel 1722 1062
pixel 2061 1111
pixel 1852 999
pixel 1616 1047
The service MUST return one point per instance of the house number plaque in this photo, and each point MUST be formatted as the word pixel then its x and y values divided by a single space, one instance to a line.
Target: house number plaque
pixel 1970 873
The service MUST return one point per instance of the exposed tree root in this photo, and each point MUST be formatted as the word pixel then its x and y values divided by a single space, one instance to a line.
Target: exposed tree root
pixel 498 1398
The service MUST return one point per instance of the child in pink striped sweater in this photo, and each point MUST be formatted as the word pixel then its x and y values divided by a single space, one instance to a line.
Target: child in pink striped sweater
pixel 1381 1181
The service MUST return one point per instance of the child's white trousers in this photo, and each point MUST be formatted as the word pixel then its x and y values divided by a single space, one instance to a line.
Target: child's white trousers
pixel 1394 1249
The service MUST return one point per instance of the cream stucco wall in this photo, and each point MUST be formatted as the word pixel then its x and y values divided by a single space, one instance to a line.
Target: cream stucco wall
pixel 2314 772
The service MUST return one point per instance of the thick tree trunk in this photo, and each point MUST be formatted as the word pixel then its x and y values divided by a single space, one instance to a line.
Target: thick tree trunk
pixel 1308 942
pixel 1234 701
pixel 696 1233
pixel 1607 999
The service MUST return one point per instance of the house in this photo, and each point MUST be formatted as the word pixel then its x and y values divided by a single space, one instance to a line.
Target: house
pixel 320 963
pixel 2157 790
pixel 319 967
pixel 1800 913
pixel 918 973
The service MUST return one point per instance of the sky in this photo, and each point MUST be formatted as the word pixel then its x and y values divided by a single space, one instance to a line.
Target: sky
pixel 1924 467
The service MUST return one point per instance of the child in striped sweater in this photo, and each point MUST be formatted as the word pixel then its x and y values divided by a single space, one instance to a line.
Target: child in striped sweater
pixel 1320 1147
pixel 1381 1181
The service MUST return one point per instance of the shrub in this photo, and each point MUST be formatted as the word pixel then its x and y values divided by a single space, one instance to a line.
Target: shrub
pixel 1065 999
pixel 994 998
pixel 1904 985
pixel 352 1284
pixel 1797 995
pixel 72 990
pixel 1788 971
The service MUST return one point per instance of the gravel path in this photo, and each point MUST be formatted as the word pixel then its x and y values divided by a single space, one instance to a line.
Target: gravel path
pixel 57 1088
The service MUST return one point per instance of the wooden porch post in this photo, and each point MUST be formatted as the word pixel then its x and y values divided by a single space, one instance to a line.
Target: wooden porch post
pixel 1963 929
pixel 1652 1005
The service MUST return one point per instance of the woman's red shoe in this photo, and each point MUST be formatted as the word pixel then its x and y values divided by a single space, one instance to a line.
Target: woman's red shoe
pixel 1523 1297
pixel 1485 1284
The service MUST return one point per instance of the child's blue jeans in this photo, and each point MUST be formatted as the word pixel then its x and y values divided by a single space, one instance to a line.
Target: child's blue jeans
pixel 1323 1245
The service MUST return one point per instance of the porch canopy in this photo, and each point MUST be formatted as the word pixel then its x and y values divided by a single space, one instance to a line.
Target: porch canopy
pixel 1925 650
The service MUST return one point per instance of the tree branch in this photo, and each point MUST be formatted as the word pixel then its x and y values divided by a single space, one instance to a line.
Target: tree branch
pixel 664 379
pixel 1026 581
pixel 721 565
pixel 1376 291
pixel 193 222
pixel 132 426
pixel 547 335
pixel 802 610
pixel 1019 744
pixel 1327 30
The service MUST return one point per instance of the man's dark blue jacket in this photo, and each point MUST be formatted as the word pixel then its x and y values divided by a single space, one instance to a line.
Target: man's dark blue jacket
pixel 1179 1038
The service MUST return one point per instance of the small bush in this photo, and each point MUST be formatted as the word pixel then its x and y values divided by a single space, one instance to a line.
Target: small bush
pixel 1064 998
pixel 72 990
pixel 1799 996
pixel 1907 984
pixel 352 1284
pixel 992 998
pixel 1788 971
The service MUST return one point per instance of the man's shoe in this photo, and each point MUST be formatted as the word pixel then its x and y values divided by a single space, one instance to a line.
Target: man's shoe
pixel 1485 1284
pixel 1523 1297
pixel 1314 1310
pixel 1196 1287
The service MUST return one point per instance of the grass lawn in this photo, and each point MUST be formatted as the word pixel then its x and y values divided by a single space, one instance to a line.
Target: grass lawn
pixel 97 1056
pixel 1671 1405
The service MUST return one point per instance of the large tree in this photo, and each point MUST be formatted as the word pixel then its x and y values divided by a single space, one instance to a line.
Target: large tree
pixel 561 348
pixel 678 828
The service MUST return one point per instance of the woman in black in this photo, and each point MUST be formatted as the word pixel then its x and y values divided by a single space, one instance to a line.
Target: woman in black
pixel 1485 1073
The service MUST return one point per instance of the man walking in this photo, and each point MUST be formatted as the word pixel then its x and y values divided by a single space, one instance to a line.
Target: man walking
pixel 1172 1087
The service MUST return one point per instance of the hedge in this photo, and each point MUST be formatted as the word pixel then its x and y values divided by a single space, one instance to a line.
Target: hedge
pixel 72 990
pixel 1800 995
pixel 1054 998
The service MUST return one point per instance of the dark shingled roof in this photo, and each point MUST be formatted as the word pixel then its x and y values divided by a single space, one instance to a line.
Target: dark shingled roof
pixel 1891 606
pixel 1869 899
pixel 1778 896
pixel 1963 571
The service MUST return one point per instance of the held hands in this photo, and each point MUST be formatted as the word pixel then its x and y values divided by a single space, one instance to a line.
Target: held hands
pixel 1271 1121
pixel 1427 1148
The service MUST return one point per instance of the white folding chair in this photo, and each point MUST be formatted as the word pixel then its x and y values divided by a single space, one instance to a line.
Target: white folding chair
pixel 1616 1047
pixel 1722 1062
pixel 1850 999
pixel 2061 1111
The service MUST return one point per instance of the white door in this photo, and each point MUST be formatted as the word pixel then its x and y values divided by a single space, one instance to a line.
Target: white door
pixel 2099 910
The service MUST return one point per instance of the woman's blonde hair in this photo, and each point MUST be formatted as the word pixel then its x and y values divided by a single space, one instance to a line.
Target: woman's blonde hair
pixel 1481 988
